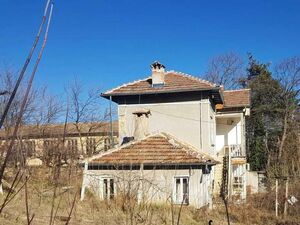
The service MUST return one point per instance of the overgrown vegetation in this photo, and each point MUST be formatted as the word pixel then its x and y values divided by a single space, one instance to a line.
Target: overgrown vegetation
pixel 257 210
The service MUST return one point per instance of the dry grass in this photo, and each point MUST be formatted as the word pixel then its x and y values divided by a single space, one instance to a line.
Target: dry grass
pixel 257 210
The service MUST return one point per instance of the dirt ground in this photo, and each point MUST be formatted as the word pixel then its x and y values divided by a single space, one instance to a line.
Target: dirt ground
pixel 42 201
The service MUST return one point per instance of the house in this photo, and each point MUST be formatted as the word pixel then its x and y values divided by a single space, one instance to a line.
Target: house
pixel 174 129
pixel 43 141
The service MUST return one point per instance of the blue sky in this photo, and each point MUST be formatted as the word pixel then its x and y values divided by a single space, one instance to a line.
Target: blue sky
pixel 106 43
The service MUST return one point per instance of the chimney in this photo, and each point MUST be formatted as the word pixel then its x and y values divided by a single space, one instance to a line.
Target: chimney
pixel 141 129
pixel 158 74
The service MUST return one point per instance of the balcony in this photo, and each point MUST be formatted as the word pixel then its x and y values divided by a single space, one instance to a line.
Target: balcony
pixel 235 151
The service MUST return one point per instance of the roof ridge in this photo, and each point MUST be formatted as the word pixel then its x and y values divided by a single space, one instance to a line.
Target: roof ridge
pixel 242 89
pixel 192 77
pixel 126 84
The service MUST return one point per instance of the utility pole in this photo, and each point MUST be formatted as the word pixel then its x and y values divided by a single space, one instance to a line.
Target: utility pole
pixel 276 197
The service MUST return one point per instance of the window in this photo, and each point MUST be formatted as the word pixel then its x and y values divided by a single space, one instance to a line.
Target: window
pixel 72 146
pixel 90 146
pixel 108 188
pixel 237 179
pixel 49 147
pixel 181 190
pixel 29 147
pixel 107 143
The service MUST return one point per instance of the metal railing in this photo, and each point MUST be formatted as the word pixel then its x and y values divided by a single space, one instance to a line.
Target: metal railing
pixel 235 150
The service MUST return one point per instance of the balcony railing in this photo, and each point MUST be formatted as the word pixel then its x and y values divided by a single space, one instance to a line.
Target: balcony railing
pixel 235 150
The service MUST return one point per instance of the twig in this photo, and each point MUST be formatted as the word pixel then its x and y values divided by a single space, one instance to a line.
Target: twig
pixel 73 204
pixel 15 183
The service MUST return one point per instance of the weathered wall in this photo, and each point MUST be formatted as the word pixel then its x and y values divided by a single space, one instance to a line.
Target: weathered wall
pixel 252 182
pixel 181 120
pixel 102 143
pixel 154 185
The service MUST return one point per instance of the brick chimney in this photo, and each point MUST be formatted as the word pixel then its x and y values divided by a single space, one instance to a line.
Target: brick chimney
pixel 158 74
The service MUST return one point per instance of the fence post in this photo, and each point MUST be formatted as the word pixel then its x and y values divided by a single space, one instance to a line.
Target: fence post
pixel 286 197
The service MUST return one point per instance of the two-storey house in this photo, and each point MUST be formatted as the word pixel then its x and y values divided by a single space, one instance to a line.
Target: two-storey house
pixel 175 132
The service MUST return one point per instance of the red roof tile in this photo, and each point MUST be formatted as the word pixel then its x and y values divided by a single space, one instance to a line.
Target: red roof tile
pixel 237 98
pixel 174 82
pixel 156 149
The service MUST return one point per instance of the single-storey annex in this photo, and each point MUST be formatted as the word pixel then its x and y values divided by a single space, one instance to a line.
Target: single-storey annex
pixel 158 168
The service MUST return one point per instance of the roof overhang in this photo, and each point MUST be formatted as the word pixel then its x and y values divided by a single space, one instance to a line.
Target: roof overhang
pixel 215 93
pixel 116 165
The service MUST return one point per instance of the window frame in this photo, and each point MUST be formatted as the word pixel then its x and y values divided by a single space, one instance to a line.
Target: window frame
pixel 237 179
pixel 91 145
pixel 108 194
pixel 175 195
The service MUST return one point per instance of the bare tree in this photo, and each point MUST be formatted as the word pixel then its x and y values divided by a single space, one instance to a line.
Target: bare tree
pixel 7 81
pixel 225 69
pixel 49 108
pixel 84 108
pixel 288 74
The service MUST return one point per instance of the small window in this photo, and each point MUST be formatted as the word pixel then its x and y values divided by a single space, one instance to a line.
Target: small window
pixel 90 146
pixel 72 146
pixel 107 143
pixel 50 147
pixel 181 190
pixel 29 147
pixel 108 188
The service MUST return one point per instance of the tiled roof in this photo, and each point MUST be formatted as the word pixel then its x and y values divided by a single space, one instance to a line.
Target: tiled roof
pixel 159 149
pixel 52 130
pixel 237 98
pixel 174 82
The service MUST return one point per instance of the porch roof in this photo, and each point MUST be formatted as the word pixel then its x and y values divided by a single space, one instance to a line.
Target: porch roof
pixel 237 98
pixel 158 149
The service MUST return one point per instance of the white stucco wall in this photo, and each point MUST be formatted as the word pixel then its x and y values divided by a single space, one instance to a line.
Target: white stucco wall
pixel 153 185
pixel 181 120
pixel 228 131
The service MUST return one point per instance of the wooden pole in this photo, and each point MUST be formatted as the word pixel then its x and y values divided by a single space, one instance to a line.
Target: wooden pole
pixel 7 107
pixel 24 101
pixel 286 197
pixel 276 196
